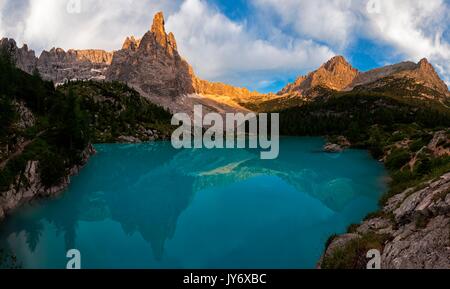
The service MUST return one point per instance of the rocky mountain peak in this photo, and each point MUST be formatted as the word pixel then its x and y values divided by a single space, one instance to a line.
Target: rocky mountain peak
pixel 159 30
pixel 157 39
pixel 425 74
pixel 171 41
pixel 425 66
pixel 335 74
pixel 336 63
pixel 131 43
pixel 424 62
pixel 152 64
pixel 158 24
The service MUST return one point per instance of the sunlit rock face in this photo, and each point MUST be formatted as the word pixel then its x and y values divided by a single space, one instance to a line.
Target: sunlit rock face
pixel 153 64
pixel 336 74
pixel 61 66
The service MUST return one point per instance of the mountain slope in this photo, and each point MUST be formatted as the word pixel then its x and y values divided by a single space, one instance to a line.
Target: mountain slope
pixel 118 113
pixel 45 133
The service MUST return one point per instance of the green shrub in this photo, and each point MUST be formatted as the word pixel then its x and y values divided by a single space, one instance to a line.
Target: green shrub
pixel 417 145
pixel 424 166
pixel 397 159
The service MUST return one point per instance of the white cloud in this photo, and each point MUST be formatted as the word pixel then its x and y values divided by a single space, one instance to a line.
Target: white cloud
pixel 416 29
pixel 413 28
pixel 329 21
pixel 101 24
pixel 278 40
pixel 219 47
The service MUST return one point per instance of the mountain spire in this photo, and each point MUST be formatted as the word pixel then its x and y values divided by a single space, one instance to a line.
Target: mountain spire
pixel 159 32
pixel 158 29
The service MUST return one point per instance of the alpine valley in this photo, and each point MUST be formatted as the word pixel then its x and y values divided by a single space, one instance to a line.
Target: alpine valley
pixel 54 107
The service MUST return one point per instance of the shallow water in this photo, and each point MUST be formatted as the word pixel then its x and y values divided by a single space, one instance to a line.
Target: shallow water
pixel 150 206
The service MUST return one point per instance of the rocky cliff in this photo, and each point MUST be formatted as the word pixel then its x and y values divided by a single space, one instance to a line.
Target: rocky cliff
pixel 60 66
pixel 153 65
pixel 412 229
pixel 25 59
pixel 28 185
pixel 218 88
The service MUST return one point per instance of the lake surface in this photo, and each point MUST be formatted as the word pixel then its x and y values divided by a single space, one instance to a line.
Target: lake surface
pixel 151 206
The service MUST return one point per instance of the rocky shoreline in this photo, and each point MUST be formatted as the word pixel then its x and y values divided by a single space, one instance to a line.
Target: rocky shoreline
pixel 415 226
pixel 28 186
pixel 411 230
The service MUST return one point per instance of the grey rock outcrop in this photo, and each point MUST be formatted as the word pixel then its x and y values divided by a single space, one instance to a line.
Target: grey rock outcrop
pixel 339 145
pixel 28 185
pixel 417 223
pixel 61 66
pixel 58 65
pixel 24 58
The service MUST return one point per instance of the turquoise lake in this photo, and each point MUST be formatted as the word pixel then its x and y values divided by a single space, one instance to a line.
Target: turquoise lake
pixel 151 206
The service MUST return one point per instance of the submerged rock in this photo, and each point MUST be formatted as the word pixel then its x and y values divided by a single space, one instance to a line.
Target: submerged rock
pixel 333 148
pixel 340 144
pixel 128 139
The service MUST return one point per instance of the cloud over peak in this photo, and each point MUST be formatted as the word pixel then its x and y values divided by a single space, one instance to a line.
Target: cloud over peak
pixel 218 46
pixel 274 39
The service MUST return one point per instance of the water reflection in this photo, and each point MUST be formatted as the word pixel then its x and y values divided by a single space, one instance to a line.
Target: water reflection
pixel 145 188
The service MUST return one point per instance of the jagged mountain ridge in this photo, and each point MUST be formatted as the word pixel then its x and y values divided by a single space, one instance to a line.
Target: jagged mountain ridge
pixel 153 66
pixel 337 74
pixel 59 65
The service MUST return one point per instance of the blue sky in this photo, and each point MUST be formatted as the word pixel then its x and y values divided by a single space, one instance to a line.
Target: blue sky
pixel 259 44
pixel 236 10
